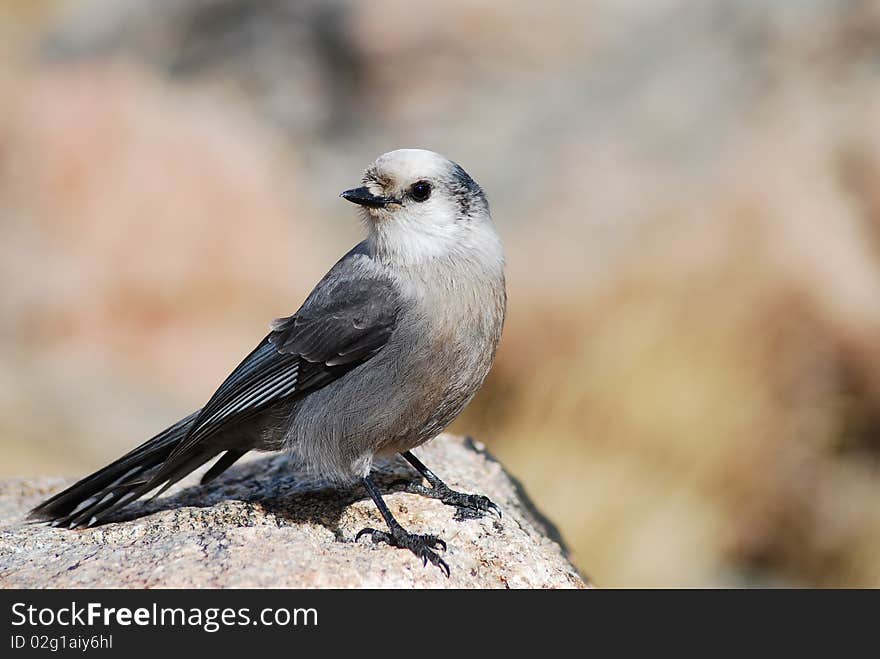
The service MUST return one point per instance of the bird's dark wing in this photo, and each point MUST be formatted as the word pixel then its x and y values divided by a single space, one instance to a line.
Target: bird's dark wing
pixel 345 321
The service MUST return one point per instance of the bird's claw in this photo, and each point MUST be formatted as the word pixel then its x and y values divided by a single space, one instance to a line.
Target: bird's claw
pixel 468 506
pixel 420 545
pixel 480 503
pixel 367 531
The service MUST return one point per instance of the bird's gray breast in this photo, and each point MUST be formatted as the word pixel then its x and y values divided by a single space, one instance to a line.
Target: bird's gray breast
pixel 448 341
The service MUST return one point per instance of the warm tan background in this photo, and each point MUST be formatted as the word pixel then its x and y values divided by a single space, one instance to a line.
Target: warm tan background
pixel 689 382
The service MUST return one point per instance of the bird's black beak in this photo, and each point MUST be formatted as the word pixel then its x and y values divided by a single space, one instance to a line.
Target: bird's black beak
pixel 364 197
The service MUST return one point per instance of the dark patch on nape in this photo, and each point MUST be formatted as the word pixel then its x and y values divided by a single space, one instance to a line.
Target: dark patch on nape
pixel 467 191
pixel 464 179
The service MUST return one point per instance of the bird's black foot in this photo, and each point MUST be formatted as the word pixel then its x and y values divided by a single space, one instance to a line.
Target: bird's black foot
pixel 467 506
pixel 422 546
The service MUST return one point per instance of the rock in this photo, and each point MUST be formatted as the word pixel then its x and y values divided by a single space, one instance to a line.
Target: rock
pixel 266 523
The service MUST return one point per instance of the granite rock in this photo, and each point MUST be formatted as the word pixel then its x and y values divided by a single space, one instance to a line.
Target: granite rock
pixel 268 523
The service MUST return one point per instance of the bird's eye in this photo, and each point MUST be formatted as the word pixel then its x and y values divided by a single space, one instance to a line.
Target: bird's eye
pixel 420 190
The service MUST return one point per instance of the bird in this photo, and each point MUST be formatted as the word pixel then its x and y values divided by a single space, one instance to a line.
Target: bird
pixel 385 352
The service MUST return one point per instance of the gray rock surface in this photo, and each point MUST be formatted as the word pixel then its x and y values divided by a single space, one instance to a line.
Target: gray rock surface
pixel 266 523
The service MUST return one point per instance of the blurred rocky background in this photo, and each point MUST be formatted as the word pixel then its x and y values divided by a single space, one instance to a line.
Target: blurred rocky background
pixel 689 192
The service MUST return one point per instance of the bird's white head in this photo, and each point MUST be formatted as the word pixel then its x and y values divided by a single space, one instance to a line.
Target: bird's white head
pixel 419 206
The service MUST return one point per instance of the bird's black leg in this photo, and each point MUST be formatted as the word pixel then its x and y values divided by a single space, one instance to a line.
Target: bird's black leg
pixel 397 536
pixel 468 506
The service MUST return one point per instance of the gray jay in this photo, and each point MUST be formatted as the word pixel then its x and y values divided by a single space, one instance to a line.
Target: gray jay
pixel 384 353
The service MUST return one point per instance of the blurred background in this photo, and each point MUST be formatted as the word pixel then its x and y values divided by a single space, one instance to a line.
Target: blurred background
pixel 689 193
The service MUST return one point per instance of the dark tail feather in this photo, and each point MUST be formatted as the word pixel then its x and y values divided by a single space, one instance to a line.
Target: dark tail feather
pixel 177 467
pixel 95 497
pixel 225 462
